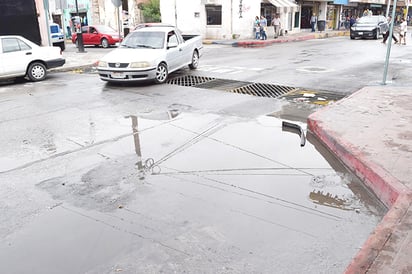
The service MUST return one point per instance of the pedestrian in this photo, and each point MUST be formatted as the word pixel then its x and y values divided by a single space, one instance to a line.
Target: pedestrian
pixel 313 21
pixel 256 26
pixel 276 25
pixel 352 21
pixel 386 35
pixel 402 32
pixel 263 28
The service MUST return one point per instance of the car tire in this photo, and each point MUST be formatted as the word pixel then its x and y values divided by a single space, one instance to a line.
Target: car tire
pixel 195 60
pixel 377 34
pixel 352 38
pixel 161 73
pixel 36 72
pixel 104 43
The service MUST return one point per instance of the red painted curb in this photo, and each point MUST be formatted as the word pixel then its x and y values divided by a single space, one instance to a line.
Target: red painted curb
pixel 378 238
pixel 389 190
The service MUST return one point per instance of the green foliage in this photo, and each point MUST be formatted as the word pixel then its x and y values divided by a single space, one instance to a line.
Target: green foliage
pixel 151 11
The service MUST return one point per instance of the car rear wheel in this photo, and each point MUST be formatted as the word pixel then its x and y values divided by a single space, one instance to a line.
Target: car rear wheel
pixel 195 60
pixel 161 73
pixel 36 72
pixel 104 43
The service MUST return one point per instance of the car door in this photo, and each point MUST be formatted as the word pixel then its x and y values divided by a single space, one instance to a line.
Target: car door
pixel 86 36
pixel 186 49
pixel 15 56
pixel 173 51
pixel 94 36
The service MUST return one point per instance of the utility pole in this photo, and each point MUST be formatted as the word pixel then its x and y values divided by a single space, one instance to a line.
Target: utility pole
pixel 388 50
pixel 80 45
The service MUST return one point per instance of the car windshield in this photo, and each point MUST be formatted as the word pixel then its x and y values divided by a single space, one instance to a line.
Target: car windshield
pixel 368 20
pixel 54 29
pixel 105 29
pixel 144 39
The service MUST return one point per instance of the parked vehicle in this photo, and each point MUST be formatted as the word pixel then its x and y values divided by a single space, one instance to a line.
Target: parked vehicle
pixel 20 57
pixel 98 35
pixel 150 53
pixel 369 27
pixel 57 36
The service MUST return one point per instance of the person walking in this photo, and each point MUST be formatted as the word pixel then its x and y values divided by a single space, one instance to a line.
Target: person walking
pixel 276 25
pixel 256 26
pixel 386 35
pixel 313 21
pixel 263 27
pixel 402 32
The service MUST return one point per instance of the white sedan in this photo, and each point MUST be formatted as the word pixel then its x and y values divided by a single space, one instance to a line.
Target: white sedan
pixel 20 57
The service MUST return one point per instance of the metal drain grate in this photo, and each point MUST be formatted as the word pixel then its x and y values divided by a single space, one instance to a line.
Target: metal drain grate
pixel 222 84
pixel 264 90
pixel 241 87
pixel 189 80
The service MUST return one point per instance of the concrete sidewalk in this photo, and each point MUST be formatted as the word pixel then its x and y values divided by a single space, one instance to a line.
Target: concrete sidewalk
pixel 295 37
pixel 371 133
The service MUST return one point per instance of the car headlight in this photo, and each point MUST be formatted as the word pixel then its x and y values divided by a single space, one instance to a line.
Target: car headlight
pixel 139 64
pixel 102 64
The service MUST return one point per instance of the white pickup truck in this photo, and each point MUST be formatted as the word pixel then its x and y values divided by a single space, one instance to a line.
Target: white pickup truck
pixel 150 53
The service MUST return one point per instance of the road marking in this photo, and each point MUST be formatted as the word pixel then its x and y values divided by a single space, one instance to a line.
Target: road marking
pixel 227 69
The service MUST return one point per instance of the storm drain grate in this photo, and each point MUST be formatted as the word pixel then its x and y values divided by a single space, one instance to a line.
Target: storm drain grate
pixel 241 87
pixel 264 90
pixel 189 80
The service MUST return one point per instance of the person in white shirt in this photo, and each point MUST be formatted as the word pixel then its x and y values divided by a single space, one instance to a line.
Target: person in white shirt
pixel 402 32
pixel 276 25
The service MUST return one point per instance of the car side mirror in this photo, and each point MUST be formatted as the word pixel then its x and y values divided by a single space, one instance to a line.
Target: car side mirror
pixel 172 45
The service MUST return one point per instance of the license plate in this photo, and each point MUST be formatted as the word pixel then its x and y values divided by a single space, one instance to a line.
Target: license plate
pixel 118 75
pixel 360 33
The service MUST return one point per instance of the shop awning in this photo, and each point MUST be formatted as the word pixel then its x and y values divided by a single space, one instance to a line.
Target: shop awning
pixel 283 3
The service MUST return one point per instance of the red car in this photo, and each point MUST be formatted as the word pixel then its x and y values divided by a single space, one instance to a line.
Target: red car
pixel 98 35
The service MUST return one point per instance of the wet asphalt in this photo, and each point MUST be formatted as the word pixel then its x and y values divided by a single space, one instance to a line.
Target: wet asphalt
pixel 153 179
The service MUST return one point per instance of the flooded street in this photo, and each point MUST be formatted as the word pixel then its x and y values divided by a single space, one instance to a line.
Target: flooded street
pixel 168 179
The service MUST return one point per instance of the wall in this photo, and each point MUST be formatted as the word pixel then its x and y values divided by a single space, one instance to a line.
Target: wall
pixel 190 17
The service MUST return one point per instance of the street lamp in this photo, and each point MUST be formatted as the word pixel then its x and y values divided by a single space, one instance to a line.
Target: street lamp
pixel 80 46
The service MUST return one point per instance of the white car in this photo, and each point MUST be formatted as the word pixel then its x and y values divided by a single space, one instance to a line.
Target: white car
pixel 20 57
pixel 150 53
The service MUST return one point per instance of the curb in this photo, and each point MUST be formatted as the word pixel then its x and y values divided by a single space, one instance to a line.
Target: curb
pixel 388 189
pixel 74 67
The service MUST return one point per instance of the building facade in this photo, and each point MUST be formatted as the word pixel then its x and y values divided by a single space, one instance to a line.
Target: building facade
pixel 227 19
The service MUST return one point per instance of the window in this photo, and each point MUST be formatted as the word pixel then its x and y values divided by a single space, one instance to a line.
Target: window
pixel 213 15
pixel 172 38
pixel 13 44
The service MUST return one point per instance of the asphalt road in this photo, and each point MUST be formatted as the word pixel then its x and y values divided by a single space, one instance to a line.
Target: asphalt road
pixel 100 178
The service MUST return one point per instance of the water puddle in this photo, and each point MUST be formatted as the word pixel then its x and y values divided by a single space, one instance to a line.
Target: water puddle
pixel 191 192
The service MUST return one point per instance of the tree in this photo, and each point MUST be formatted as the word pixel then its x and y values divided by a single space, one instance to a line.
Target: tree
pixel 151 10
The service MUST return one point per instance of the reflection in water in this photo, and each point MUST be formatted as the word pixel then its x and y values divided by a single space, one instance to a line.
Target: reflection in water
pixel 137 148
pixel 149 164
pixel 328 199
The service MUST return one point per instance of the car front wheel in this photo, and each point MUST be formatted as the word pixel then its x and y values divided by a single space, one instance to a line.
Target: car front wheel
pixel 161 73
pixel 104 43
pixel 36 72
